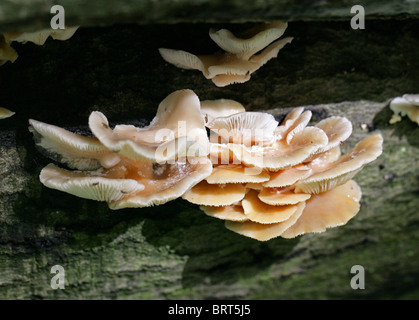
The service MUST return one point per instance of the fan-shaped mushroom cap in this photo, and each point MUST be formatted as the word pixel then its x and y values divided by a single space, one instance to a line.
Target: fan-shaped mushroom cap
pixel 281 197
pixel 245 127
pixel 344 169
pixel 232 212
pixel 212 109
pixel 270 52
pixel 293 125
pixel 215 194
pixel 77 151
pixel 237 174
pixel 223 80
pixel 7 53
pixel 169 184
pixel 287 177
pixel 177 130
pixel 88 186
pixel 337 129
pixel 260 212
pixel 329 209
pixel 253 43
pixel 408 105
pixel 5 113
pixel 265 232
pixel 280 155
pixel 39 37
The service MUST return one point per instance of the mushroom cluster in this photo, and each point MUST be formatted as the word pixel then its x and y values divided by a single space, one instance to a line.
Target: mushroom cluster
pixel 243 55
pixel 128 166
pixel 263 178
pixel 272 180
pixel 7 53
pixel 407 104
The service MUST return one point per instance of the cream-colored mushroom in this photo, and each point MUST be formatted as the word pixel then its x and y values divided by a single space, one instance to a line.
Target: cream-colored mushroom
pixel 5 113
pixel 343 169
pixel 281 196
pixel 232 212
pixel 212 109
pixel 41 36
pixel 237 174
pixel 76 151
pixel 287 177
pixel 7 53
pixel 246 128
pixel 176 131
pixel 215 194
pixel 265 232
pixel 240 59
pixel 281 155
pixel 326 210
pixel 91 186
pixel 408 105
pixel 260 212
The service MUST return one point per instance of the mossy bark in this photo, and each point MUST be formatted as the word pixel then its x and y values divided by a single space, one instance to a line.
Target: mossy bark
pixel 174 250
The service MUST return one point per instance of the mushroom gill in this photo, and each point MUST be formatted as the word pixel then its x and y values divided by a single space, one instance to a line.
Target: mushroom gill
pixel 108 170
pixel 407 104
pixel 290 180
pixel 243 55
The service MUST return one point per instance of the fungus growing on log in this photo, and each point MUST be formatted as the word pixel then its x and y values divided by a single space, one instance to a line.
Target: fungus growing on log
pixel 243 55
pixel 119 165
pixel 293 178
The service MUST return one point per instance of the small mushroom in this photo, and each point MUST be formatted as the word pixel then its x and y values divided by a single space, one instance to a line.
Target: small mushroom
pixel 5 113
pixel 40 37
pixel 326 210
pixel 241 57
pixel 76 151
pixel 343 169
pixel 7 53
pixel 237 174
pixel 206 194
pixel 176 131
pixel 232 212
pixel 265 232
pixel 212 109
pixel 408 105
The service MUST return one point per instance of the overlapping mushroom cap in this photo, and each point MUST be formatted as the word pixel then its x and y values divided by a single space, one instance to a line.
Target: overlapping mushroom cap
pixel 408 105
pixel 7 53
pixel 128 166
pixel 241 58
pixel 283 180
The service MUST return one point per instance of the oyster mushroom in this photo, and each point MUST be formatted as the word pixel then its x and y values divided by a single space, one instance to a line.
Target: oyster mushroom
pixel 241 57
pixel 408 105
pixel 299 175
pixel 5 113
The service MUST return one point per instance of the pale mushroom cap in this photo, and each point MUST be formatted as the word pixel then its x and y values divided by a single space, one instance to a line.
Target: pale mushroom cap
pixel 40 37
pixel 215 194
pixel 270 52
pixel 337 129
pixel 182 59
pixel 281 155
pixel 278 197
pixel 260 212
pixel 326 210
pixel 88 186
pixel 287 177
pixel 408 105
pixel 212 109
pixel 345 168
pixel 237 174
pixel 223 80
pixel 5 113
pixel 265 232
pixel 77 151
pixel 245 127
pixel 185 176
pixel 7 53
pixel 232 212
pixel 248 47
pixel 177 130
